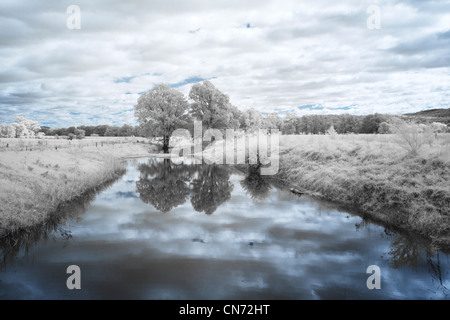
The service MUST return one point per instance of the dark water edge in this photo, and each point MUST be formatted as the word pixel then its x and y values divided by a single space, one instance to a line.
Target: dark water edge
pixel 12 242
pixel 435 244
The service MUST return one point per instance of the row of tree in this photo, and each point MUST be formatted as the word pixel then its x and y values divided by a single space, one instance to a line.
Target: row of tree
pixel 163 109
pixel 100 130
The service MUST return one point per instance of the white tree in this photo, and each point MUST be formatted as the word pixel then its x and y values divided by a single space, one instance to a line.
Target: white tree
pixel 253 120
pixel 22 130
pixel 439 127
pixel 162 110
pixel 40 135
pixel 331 131
pixel 273 121
pixel 8 131
pixel 211 106
pixel 25 128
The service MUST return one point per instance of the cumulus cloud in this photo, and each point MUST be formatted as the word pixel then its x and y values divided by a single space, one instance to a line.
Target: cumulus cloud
pixel 271 55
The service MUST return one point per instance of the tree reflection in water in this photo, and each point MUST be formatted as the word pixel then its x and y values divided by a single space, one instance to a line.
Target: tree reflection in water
pixel 255 185
pixel 211 188
pixel 165 185
pixel 409 251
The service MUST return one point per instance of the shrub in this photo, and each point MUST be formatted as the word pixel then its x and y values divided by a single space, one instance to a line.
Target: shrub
pixel 80 134
pixel 384 128
pixel 331 131
pixel 412 136
pixel 439 127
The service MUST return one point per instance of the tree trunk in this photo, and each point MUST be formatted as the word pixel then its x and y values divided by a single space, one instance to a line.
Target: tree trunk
pixel 166 143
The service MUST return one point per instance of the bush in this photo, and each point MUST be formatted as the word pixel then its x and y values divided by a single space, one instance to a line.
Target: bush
pixel 331 132
pixel 384 128
pixel 372 122
pixel 80 134
pixel 412 136
pixel 439 127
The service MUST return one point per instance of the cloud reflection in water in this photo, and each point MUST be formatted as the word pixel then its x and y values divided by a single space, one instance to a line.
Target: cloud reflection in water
pixel 166 237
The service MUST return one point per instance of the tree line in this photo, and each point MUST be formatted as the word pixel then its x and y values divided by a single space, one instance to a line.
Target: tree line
pixel 99 130
pixel 163 109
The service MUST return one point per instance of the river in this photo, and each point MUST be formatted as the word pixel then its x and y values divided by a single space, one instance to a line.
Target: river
pixel 166 231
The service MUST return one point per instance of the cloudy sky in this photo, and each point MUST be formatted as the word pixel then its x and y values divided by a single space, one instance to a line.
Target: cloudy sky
pixel 303 56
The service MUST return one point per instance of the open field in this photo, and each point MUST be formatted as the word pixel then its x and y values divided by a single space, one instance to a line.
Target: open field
pixel 377 175
pixel 52 143
pixel 35 181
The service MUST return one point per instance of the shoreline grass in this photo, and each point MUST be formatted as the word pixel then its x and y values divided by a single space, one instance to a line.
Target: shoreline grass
pixel 374 175
pixel 36 183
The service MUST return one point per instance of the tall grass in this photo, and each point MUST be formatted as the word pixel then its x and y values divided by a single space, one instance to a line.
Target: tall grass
pixel 34 184
pixel 374 174
pixel 27 197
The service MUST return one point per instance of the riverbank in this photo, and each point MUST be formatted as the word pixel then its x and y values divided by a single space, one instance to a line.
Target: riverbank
pixel 372 174
pixel 35 183
pixel 376 176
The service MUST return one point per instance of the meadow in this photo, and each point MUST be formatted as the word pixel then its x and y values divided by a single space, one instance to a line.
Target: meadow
pixel 54 143
pixel 378 175
pixel 38 175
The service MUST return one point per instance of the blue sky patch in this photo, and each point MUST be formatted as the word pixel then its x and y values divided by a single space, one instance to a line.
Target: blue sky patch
pixel 194 79
pixel 124 79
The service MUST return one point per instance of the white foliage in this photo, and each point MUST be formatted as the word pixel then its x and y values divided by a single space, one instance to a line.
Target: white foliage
pixel 22 128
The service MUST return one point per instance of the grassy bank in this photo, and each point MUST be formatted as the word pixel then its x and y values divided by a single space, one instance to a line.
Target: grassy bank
pixel 376 175
pixel 34 183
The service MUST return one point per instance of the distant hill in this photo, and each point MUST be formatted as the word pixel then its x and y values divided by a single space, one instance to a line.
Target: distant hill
pixel 432 115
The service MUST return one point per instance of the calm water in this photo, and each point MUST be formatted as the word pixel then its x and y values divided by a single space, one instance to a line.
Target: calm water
pixel 209 232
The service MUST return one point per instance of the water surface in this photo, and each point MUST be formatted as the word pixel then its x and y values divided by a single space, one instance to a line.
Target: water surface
pixel 164 231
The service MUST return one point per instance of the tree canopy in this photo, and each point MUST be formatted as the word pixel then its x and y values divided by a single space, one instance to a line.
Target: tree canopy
pixel 211 106
pixel 164 110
